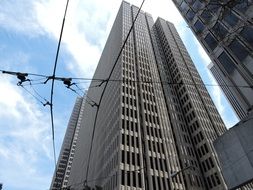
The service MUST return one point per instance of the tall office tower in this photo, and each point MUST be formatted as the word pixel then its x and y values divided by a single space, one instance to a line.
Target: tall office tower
pixel 224 28
pixel 231 95
pixel 156 121
pixel 62 171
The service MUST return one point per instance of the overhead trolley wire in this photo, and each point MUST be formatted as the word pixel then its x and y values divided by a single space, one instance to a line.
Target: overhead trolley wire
pixel 53 80
pixel 130 81
pixel 44 104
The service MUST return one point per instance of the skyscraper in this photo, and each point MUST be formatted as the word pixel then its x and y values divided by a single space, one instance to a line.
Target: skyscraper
pixel 237 104
pixel 156 121
pixel 65 159
pixel 224 28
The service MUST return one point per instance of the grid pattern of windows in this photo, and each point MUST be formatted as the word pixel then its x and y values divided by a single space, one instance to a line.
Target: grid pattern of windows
pixel 147 130
pixel 200 120
pixel 66 156
pixel 225 31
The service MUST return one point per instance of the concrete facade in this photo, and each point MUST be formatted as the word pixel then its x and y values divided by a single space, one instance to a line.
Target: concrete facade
pixel 156 117
pixel 235 151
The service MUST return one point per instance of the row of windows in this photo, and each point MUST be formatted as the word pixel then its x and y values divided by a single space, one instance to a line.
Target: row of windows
pixel 129 112
pixel 202 150
pixel 213 180
pixel 154 132
pixel 131 178
pixel 207 164
pixel 127 90
pixel 152 119
pixel 199 137
pixel 160 183
pixel 155 146
pixel 130 158
pixel 130 140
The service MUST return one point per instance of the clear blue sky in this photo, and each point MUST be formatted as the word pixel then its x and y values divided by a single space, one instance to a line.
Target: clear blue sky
pixel 29 32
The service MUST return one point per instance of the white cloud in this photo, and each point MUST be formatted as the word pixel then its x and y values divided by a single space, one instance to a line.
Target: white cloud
pixel 25 139
pixel 84 32
pixel 86 28
pixel 18 16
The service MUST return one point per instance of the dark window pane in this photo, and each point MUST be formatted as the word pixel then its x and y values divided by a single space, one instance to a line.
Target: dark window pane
pixel 227 63
pixel 210 41
pixel 198 26
pixel 206 16
pixel 197 5
pixel 183 6
pixel 242 5
pixel 230 18
pixel 247 34
pixel 190 1
pixel 178 1
pixel 238 50
pixel 213 6
pixel 190 15
pixel 219 30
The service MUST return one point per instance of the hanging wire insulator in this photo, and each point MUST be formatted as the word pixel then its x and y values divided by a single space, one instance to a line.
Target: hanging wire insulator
pixel 22 78
pixel 67 82
pixel 47 104
pixel 48 78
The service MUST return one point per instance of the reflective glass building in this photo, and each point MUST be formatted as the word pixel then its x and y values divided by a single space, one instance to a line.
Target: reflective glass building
pixel 225 28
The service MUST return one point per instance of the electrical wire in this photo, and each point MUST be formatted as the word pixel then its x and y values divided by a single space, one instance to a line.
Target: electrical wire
pixel 106 83
pixel 85 80
pixel 33 84
pixel 32 74
pixel 47 102
pixel 53 80
pixel 33 95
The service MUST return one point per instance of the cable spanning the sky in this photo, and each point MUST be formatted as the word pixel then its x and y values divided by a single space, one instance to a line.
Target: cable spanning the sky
pixel 88 80
pixel 53 79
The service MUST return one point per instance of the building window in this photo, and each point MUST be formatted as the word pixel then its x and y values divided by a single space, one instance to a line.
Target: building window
pixel 210 41
pixel 198 26
pixel 190 1
pixel 179 1
pixel 246 33
pixel 242 5
pixel 190 15
pixel 238 50
pixel 219 30
pixel 183 6
pixel 230 18
pixel 197 5
pixel 206 16
pixel 227 63
pixel 213 7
